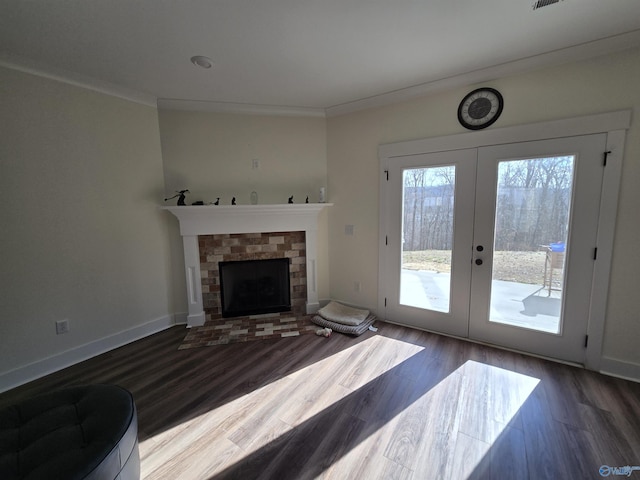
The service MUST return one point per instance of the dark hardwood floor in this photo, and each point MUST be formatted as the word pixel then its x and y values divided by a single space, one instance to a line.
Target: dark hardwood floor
pixel 398 403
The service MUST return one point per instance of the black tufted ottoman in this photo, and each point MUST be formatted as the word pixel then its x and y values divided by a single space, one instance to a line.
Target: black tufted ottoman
pixel 80 432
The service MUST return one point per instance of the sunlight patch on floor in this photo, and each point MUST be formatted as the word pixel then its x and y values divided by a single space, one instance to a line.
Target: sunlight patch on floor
pixel 478 405
pixel 279 402
pixel 490 400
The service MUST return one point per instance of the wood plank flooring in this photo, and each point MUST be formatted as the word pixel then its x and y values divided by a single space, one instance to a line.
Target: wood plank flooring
pixel 396 404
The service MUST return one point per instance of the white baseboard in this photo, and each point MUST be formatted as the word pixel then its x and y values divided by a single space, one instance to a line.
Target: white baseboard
pixel 620 369
pixel 22 375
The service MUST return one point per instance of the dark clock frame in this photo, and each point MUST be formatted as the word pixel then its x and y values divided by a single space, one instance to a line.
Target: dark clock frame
pixel 489 120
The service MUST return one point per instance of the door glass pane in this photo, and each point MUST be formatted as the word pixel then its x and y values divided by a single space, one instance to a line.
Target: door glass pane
pixel 531 227
pixel 427 237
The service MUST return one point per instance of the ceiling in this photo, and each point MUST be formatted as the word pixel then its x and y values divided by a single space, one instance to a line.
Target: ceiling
pixel 313 56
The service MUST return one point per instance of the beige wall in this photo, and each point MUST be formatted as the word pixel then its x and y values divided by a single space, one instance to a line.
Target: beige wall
pixel 81 177
pixel 82 237
pixel 596 86
pixel 212 155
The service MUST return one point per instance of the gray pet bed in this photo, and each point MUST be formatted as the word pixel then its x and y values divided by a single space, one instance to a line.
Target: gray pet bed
pixel 348 329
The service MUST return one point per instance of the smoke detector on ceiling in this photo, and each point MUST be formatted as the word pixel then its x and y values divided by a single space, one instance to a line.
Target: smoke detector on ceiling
pixel 544 3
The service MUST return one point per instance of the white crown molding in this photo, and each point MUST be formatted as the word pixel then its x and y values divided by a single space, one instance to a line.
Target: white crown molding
pixel 557 57
pixel 241 108
pixel 25 65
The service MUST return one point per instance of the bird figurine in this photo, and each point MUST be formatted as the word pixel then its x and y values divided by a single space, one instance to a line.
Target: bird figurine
pixel 217 202
pixel 291 199
pixel 233 201
pixel 180 195
pixel 307 200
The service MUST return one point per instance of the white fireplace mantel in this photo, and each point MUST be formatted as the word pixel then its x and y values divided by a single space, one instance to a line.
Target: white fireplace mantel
pixel 227 219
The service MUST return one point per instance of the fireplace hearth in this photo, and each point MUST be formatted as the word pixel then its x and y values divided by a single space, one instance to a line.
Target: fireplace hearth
pixel 288 249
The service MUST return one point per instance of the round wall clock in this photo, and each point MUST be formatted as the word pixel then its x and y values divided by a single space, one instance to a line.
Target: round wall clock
pixel 480 108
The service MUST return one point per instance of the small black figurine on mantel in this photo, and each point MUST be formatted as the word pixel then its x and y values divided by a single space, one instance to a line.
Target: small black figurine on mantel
pixel 217 202
pixel 233 201
pixel 180 195
pixel 291 199
pixel 307 200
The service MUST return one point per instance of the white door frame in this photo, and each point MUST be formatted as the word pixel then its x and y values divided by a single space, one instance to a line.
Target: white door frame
pixel 614 124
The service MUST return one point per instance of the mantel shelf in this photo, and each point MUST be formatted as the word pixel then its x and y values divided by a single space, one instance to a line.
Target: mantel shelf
pixel 220 219
pixel 277 208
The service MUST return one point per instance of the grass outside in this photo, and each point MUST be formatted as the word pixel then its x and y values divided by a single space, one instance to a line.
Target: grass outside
pixel 521 267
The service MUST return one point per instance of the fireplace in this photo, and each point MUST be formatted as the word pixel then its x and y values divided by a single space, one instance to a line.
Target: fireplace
pixel 235 228
pixel 254 287
pixel 271 250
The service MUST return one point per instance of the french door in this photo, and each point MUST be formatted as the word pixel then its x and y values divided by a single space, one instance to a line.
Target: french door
pixel 496 243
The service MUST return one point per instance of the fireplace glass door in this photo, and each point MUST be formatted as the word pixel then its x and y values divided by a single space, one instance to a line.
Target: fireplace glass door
pixel 253 287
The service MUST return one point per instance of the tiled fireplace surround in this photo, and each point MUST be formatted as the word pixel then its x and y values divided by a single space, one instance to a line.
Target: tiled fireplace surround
pixel 212 234
pixel 252 246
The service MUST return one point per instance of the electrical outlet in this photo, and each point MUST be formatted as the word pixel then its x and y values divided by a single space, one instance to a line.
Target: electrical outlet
pixel 255 164
pixel 62 326
pixel 349 229
pixel 357 287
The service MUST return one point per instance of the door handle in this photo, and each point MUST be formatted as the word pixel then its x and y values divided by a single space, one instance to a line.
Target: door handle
pixel 478 261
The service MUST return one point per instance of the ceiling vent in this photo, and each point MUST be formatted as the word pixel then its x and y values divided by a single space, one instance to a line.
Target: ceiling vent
pixel 543 3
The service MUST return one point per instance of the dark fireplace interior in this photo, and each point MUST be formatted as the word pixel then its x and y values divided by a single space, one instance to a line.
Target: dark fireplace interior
pixel 252 287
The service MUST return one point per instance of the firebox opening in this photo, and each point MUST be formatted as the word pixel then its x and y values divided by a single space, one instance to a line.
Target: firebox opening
pixel 252 287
